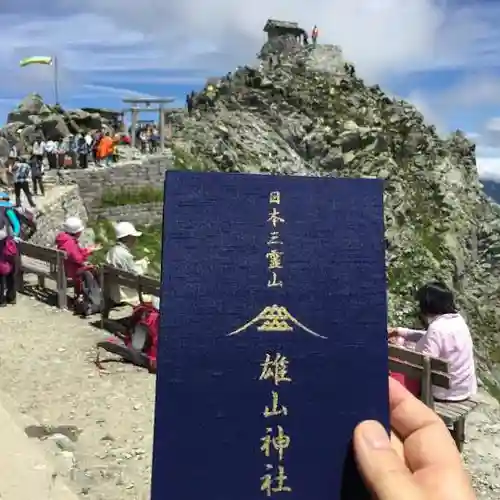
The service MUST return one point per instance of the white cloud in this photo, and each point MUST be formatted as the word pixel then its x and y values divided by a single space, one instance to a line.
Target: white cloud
pixel 382 37
pixel 489 168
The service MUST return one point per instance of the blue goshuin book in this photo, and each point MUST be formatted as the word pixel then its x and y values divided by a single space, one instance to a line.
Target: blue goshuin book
pixel 273 342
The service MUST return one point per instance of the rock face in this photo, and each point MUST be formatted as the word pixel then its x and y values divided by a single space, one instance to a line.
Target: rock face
pixel 306 112
pixel 34 120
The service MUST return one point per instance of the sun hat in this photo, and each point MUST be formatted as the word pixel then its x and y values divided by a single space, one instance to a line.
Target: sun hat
pixel 73 225
pixel 123 229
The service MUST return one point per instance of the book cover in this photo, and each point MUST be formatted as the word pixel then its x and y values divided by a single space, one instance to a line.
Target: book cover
pixel 273 339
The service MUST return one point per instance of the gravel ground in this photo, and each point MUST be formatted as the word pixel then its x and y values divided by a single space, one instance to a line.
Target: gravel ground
pixel 47 365
pixel 98 426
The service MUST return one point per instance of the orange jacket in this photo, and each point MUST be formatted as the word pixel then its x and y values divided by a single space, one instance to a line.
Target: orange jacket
pixel 105 147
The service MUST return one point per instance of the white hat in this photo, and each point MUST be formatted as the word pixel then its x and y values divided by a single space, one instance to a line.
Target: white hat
pixel 123 229
pixel 73 225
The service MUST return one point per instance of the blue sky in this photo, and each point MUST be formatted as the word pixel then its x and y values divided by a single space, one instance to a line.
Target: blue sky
pixel 442 55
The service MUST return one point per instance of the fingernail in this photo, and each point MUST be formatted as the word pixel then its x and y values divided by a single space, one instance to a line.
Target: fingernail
pixel 374 435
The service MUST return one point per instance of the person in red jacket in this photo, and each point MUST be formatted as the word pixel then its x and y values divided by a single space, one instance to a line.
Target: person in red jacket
pixel 76 256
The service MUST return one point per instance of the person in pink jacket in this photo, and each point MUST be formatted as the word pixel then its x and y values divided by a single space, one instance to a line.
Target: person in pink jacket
pixel 8 252
pixel 447 337
pixel 76 256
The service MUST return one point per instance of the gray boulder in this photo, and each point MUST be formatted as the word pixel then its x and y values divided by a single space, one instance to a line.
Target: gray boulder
pixel 20 116
pixel 4 148
pixel 30 134
pixel 31 104
pixel 54 127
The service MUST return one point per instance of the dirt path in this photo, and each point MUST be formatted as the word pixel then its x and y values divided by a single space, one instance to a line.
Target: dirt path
pixel 46 359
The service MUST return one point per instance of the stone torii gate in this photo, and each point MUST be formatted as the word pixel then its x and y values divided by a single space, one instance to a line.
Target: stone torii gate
pixel 145 104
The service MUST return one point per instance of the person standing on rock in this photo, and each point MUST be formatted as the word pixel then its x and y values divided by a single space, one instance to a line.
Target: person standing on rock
pixel 189 104
pixel 314 35
pixel 21 172
pixel 105 150
pixel 38 151
pixel 83 150
pixel 37 176
pixel 51 152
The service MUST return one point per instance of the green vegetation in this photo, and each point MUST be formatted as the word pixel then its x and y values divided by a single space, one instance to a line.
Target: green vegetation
pixel 148 245
pixel 131 196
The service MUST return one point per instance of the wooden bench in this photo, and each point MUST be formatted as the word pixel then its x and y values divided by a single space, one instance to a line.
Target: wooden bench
pixel 111 277
pixel 433 371
pixel 45 263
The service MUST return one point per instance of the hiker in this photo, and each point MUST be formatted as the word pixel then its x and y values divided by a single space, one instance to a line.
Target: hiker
pixel 37 172
pixel 51 152
pixel 189 103
pixel 76 256
pixel 83 150
pixel 95 147
pixel 419 461
pixel 314 35
pixel 121 257
pixel 8 252
pixel 447 337
pixel 105 150
pixel 38 151
pixel 8 216
pixel 21 172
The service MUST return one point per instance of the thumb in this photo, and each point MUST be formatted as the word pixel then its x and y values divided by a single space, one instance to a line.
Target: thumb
pixel 383 471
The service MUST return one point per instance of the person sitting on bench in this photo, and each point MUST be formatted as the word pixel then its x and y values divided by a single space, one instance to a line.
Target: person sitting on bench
pixel 121 257
pixel 76 256
pixel 447 337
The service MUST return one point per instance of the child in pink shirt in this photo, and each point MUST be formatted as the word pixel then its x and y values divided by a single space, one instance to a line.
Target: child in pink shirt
pixel 447 337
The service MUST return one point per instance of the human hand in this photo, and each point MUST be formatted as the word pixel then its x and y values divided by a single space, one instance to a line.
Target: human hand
pixel 392 332
pixel 419 462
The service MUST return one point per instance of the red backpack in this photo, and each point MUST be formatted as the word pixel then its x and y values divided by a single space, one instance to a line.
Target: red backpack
pixel 139 344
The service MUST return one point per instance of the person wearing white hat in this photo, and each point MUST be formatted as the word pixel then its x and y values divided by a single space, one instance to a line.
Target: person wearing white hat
pixel 76 256
pixel 121 257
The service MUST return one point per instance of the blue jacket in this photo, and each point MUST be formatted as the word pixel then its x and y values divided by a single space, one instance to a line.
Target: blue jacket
pixel 11 215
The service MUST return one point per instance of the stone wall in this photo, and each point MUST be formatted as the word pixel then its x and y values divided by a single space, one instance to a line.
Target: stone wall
pixel 64 201
pixel 94 183
pixel 146 213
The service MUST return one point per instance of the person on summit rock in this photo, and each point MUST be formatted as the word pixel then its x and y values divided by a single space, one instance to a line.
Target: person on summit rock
pixel 447 337
pixel 314 35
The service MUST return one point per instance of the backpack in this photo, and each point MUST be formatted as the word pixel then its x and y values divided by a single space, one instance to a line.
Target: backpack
pixel 140 343
pixel 90 301
pixel 27 222
pixel 5 223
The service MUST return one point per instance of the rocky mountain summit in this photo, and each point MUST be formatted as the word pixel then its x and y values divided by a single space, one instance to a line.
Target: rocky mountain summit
pixel 33 119
pixel 305 111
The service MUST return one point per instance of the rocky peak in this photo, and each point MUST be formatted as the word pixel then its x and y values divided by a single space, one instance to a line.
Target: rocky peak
pixel 33 120
pixel 305 111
